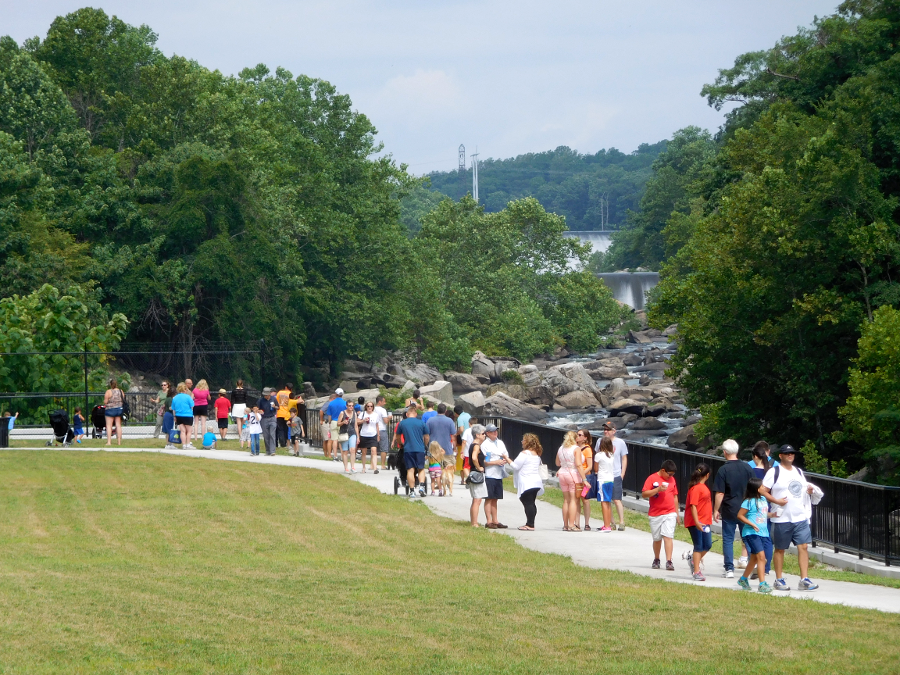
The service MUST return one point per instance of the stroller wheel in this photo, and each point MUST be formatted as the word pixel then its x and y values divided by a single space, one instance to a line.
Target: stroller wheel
pixel 396 485
pixel 49 443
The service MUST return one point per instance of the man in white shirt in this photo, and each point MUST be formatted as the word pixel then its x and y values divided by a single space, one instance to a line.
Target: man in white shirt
pixel 496 456
pixel 786 486
pixel 384 419
pixel 620 466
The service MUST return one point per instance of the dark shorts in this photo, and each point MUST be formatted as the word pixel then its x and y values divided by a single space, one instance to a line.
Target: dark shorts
pixel 702 540
pixel 113 412
pixel 754 543
pixel 785 534
pixel 414 460
pixel 592 481
pixel 617 488
pixel 372 442
pixel 223 422
pixel 201 410
pixel 494 488
pixel 186 421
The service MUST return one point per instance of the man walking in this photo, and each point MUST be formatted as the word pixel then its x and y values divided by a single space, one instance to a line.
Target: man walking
pixel 729 486
pixel 384 419
pixel 441 429
pixel 661 491
pixel 496 456
pixel 786 486
pixel 415 440
pixel 620 466
pixel 267 409
pixel 283 415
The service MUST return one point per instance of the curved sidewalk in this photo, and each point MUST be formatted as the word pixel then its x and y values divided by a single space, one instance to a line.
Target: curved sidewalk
pixel 628 551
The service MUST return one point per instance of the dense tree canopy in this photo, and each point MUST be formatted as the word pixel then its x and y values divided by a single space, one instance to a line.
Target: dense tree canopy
pixel 792 239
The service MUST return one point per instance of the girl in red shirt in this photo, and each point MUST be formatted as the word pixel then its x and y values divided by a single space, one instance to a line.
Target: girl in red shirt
pixel 698 517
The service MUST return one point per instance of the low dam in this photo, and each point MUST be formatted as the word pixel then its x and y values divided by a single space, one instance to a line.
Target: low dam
pixel 630 288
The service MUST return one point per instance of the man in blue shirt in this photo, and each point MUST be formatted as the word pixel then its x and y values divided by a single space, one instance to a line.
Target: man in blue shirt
pixel 333 411
pixel 415 440
pixel 429 411
pixel 441 429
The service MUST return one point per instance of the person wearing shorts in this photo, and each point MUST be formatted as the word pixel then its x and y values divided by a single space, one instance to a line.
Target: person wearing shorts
pixel 603 465
pixel 223 409
pixel 620 466
pixel 495 449
pixel 415 439
pixel 384 419
pixel 661 491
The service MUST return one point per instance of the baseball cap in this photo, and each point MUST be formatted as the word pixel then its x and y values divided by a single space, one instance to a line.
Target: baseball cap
pixel 787 450
pixel 339 391
pixel 491 427
pixel 609 426
pixel 267 391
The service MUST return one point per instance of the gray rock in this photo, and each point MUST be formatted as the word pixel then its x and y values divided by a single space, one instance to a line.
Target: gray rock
pixel 395 369
pixel 638 337
pixel 482 366
pixel 423 374
pixel 309 391
pixel 357 366
pixel 409 386
pixel 648 424
pixel 540 395
pixel 505 406
pixel 531 377
pixel 633 359
pixel 617 385
pixel 692 419
pixel 440 390
pixel 671 330
pixel 463 382
pixel 684 439
pixel 348 386
pixel 578 400
pixel 652 368
pixel 626 405
pixel 653 333
pixel 483 379
pixel 515 390
pixel 604 373
pixel 364 382
pixel 472 403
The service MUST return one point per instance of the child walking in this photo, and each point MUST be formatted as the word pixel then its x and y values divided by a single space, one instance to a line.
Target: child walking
pixel 79 425
pixel 698 518
pixel 435 462
pixel 255 428
pixel 754 514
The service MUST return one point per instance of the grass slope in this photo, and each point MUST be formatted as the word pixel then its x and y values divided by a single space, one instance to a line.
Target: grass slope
pixel 151 563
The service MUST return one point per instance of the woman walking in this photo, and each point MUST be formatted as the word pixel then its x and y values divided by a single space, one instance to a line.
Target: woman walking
pixel 586 443
pixel 114 401
pixel 527 478
pixel 603 468
pixel 571 480
pixel 201 408
pixel 368 434
pixel 183 408
pixel 347 430
pixel 698 517
pixel 477 486
pixel 239 408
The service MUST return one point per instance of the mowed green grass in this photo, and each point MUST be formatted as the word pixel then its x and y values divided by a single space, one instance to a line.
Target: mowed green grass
pixel 143 563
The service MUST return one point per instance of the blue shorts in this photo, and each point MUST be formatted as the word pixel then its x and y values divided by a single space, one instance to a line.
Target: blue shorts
pixel 785 534
pixel 414 460
pixel 754 543
pixel 349 444
pixel 605 493
pixel 702 540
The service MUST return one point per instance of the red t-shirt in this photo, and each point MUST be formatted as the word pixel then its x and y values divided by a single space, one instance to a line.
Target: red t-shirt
pixel 699 497
pixel 223 406
pixel 664 502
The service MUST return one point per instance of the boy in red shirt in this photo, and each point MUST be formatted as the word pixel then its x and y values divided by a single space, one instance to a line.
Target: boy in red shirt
pixel 662 493
pixel 223 410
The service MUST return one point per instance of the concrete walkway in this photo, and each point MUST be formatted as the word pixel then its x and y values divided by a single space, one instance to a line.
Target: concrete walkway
pixel 628 551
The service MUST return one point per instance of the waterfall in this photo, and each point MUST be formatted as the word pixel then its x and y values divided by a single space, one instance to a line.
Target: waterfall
pixel 630 288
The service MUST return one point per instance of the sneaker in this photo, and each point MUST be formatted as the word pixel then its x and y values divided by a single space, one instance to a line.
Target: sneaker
pixel 806 584
pixel 729 574
pixel 421 492
pixel 605 529
pixel 764 588
pixel 744 584
pixel 655 565
pixel 189 446
pixel 376 470
pixel 755 575
pixel 620 528
pixel 781 585
pixel 742 561
pixel 698 576
pixel 670 567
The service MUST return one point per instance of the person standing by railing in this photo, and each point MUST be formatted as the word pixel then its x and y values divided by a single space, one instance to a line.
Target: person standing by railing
pixel 267 408
pixel 571 480
pixel 730 485
pixel 201 408
pixel 160 403
pixel 239 408
pixel 183 408
pixel 114 401
pixel 620 466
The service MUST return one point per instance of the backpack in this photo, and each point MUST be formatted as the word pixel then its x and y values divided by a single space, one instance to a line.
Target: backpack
pixel 126 407
pixel 778 473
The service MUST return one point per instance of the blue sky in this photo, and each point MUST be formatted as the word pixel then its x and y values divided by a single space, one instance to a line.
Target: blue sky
pixel 509 77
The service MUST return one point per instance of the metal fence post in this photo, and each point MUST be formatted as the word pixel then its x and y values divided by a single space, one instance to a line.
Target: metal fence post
pixel 262 364
pixel 85 412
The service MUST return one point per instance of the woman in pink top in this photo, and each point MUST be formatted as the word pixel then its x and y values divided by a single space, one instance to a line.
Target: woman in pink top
pixel 571 480
pixel 201 408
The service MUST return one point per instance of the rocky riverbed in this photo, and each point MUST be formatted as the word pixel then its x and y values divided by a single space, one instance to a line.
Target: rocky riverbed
pixel 627 386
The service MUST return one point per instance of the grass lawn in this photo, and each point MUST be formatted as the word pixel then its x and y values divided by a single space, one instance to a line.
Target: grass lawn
pixel 156 564
pixel 639 521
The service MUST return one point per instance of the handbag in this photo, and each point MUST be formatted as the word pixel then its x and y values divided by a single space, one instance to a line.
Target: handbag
pixel 507 470
pixel 475 477
pixel 343 437
pixel 544 472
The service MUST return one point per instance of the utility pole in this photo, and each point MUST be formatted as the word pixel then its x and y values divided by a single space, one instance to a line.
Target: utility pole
pixel 462 158
pixel 475 175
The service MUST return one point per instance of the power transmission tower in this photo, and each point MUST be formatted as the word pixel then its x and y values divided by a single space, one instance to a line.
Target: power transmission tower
pixel 462 158
pixel 475 175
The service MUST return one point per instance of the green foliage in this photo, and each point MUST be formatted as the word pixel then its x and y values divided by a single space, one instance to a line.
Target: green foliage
pixel 812 460
pixel 50 321
pixel 591 192
pixel 418 203
pixel 512 377
pixel 583 310
pixel 872 410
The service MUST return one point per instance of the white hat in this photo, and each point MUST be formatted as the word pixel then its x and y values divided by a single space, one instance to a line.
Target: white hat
pixel 339 391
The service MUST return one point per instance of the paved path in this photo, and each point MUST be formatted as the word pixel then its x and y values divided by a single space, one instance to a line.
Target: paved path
pixel 628 551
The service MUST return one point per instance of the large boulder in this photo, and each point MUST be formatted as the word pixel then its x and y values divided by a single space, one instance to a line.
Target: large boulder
pixel 309 391
pixel 463 382
pixel 684 439
pixel 577 373
pixel 671 330
pixel 352 366
pixel 615 387
pixel 604 373
pixel 626 405
pixel 440 391
pixel 348 386
pixel 558 383
pixel 506 406
pixel 531 376
pixel 633 359
pixel 482 366
pixel 368 394
pixel 472 403
pixel 541 395
pixel 639 337
pixel 514 390
pixel 578 400
pixel 648 424
pixel 652 367
pixel 423 374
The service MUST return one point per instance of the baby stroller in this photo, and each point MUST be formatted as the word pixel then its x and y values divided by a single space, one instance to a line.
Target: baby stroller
pixel 400 480
pixel 98 420
pixel 62 432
